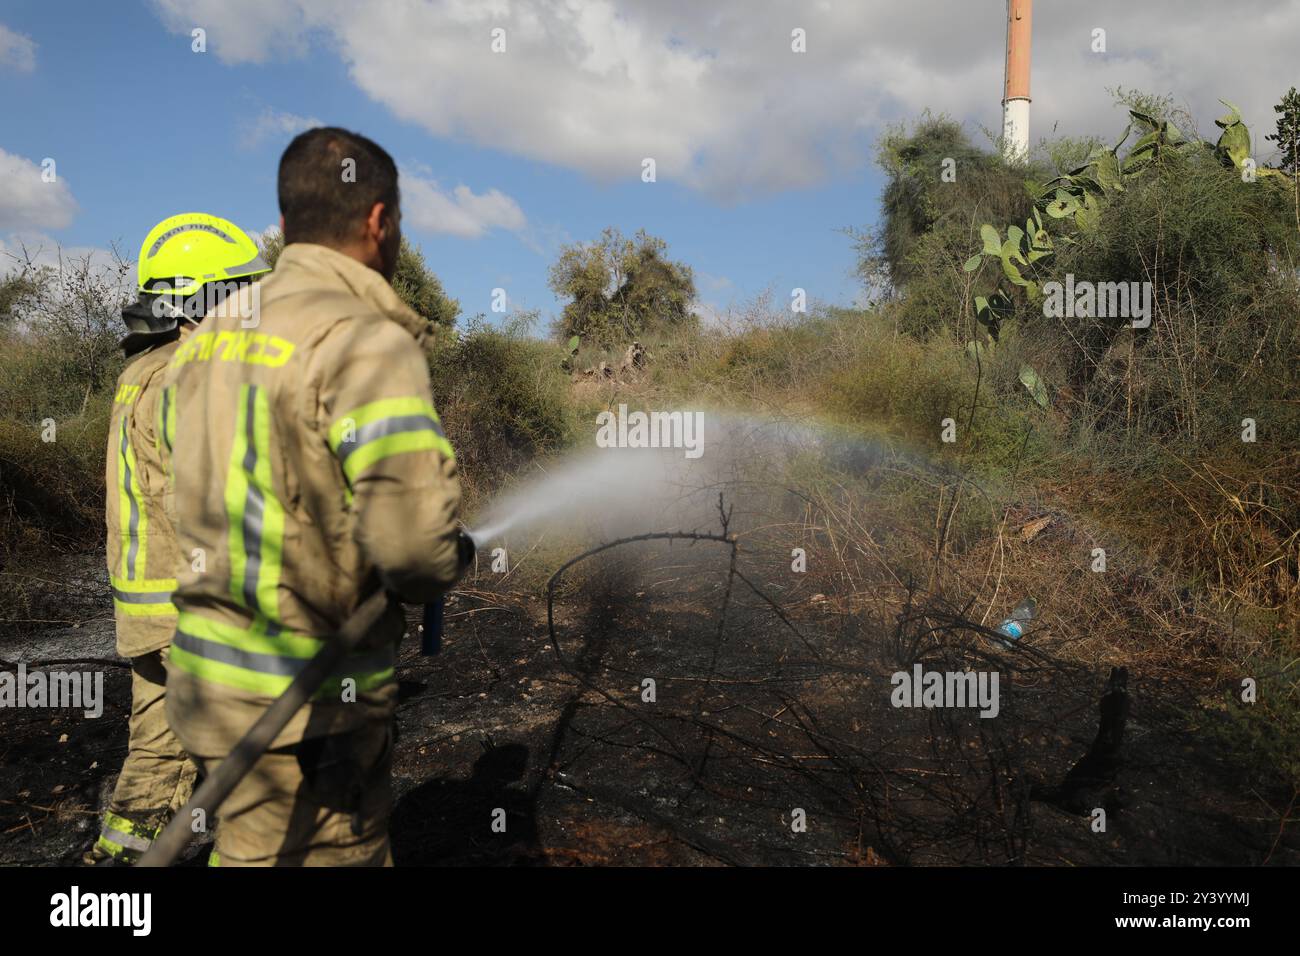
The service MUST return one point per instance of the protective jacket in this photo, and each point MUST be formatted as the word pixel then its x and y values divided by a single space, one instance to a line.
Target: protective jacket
pixel 142 552
pixel 310 469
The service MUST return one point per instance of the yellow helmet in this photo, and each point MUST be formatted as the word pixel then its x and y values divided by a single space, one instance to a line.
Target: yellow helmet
pixel 183 253
pixel 181 257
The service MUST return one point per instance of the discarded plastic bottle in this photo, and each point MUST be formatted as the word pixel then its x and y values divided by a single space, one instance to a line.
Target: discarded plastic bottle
pixel 1014 626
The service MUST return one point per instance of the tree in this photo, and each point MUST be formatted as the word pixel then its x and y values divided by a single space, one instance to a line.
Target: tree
pixel 71 304
pixel 936 178
pixel 414 282
pixel 621 288
pixel 1287 136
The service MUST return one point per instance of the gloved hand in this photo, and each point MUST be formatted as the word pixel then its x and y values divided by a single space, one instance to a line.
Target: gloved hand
pixel 465 549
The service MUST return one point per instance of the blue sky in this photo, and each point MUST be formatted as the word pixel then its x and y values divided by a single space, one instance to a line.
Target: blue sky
pixel 141 127
pixel 764 156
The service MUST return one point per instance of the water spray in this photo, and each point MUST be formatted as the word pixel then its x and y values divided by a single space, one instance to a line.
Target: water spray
pixel 612 493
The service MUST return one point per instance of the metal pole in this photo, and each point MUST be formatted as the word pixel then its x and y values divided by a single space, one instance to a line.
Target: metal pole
pixel 1015 96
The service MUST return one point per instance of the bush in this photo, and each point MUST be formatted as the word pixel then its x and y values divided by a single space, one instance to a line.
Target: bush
pixel 911 385
pixel 61 362
pixel 503 399
pixel 1223 336
pixel 918 204
pixel 53 491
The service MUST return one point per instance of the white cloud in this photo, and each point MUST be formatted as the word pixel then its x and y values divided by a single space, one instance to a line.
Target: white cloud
pixel 274 125
pixel 27 201
pixel 713 92
pixel 242 31
pixel 462 212
pixel 17 50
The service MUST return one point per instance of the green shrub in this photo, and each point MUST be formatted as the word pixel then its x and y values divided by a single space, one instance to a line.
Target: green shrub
pixel 503 399
pixel 53 491
pixel 918 201
pixel 619 289
pixel 1265 736
pixel 60 363
pixel 912 385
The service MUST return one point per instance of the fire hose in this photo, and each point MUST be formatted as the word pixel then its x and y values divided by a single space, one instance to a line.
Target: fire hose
pixel 215 788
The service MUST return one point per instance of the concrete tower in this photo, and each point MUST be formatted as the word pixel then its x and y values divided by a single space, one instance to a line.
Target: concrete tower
pixel 1015 97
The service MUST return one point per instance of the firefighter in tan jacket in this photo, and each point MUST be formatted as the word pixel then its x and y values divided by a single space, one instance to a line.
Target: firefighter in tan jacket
pixel 310 469
pixel 186 262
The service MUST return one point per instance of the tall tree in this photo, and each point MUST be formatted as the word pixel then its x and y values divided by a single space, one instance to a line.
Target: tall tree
pixel 619 288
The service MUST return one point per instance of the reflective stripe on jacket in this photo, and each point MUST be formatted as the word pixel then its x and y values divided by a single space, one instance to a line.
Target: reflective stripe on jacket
pixel 142 552
pixel 309 468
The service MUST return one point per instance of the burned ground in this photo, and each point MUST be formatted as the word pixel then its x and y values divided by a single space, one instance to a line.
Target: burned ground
pixel 775 712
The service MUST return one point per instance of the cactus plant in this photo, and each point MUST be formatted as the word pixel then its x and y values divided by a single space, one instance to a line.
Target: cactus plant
pixel 1233 146
pixel 1076 199
pixel 1030 380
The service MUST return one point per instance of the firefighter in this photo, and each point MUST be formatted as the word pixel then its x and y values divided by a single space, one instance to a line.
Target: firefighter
pixel 186 263
pixel 310 470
